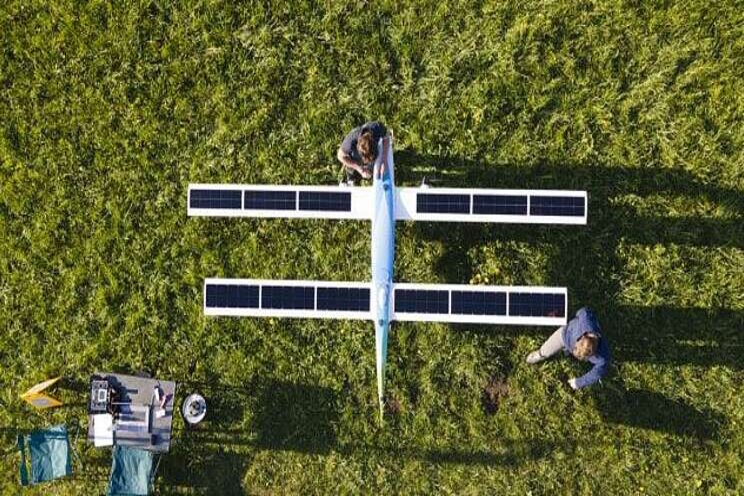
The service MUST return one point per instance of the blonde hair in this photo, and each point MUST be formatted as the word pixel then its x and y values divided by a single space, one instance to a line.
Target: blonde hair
pixel 586 346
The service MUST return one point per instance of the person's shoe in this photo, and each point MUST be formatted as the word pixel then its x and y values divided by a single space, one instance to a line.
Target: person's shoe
pixel 535 357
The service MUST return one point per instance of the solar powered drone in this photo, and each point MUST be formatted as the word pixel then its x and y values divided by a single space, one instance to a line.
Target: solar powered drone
pixel 381 300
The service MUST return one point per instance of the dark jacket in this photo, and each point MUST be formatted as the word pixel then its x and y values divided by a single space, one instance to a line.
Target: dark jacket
pixel 349 144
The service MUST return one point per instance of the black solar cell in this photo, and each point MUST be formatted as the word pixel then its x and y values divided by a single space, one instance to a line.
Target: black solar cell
pixel 537 304
pixel 572 206
pixel 215 198
pixel 288 297
pixel 325 201
pixel 421 301
pixel 478 303
pixel 346 299
pixel 433 203
pixel 270 200
pixel 232 296
pixel 499 205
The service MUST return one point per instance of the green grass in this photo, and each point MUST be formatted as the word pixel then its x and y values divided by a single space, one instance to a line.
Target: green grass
pixel 107 112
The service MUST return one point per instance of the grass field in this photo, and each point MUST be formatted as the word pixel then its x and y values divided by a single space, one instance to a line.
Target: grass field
pixel 109 109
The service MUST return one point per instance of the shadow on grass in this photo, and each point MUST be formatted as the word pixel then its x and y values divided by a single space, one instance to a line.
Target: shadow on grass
pixel 293 417
pixel 586 258
pixel 651 410
pixel 263 414
pixel 509 454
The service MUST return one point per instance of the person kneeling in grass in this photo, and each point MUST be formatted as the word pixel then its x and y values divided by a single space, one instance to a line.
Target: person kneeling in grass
pixel 583 339
pixel 358 151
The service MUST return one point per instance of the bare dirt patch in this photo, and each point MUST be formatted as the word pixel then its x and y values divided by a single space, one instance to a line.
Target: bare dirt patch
pixel 495 390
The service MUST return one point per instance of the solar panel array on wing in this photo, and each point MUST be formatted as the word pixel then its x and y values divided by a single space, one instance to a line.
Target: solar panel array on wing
pixel 215 198
pixel 345 299
pixel 572 206
pixel 421 301
pixel 432 203
pixel 537 304
pixel 288 297
pixel 325 201
pixel 500 204
pixel 270 200
pixel 232 296
pixel 479 302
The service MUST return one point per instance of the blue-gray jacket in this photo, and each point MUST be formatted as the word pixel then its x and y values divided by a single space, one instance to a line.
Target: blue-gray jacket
pixel 585 321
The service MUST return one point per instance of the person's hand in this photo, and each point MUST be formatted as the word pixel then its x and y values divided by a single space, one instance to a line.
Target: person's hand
pixel 572 383
pixel 383 165
pixel 366 174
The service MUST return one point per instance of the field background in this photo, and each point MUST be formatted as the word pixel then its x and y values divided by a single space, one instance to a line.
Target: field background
pixel 109 109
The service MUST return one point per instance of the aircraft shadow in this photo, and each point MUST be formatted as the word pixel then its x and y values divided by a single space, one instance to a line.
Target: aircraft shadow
pixel 586 257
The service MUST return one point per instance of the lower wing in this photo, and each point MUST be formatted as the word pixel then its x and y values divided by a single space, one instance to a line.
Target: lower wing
pixel 519 305
pixel 286 298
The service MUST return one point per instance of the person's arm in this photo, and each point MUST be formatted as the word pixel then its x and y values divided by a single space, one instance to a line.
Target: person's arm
pixel 385 150
pixel 344 159
pixel 599 370
pixel 601 362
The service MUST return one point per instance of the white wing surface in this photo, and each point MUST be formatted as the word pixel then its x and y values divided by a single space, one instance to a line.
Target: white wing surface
pixel 287 298
pixel 255 200
pixel 491 205
pixel 520 305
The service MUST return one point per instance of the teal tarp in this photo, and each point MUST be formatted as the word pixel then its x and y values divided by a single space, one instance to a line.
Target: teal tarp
pixel 49 451
pixel 131 472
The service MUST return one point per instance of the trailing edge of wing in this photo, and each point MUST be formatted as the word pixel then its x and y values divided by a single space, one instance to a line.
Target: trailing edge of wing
pixel 303 202
pixel 491 205
pixel 287 298
pixel 520 305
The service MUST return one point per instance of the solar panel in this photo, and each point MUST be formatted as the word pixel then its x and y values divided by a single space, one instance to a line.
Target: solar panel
pixel 572 206
pixel 500 204
pixel 421 301
pixel 270 200
pixel 442 203
pixel 232 296
pixel 537 304
pixel 479 303
pixel 325 201
pixel 346 299
pixel 215 198
pixel 288 297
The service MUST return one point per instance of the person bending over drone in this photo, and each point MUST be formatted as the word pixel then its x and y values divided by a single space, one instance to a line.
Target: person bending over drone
pixel 582 338
pixel 359 150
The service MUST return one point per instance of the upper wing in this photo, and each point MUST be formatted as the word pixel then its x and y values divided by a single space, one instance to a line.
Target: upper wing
pixel 283 298
pixel 491 205
pixel 479 304
pixel 319 202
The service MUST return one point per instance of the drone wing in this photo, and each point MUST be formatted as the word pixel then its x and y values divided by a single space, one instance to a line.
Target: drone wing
pixel 314 202
pixel 287 298
pixel 491 205
pixel 520 305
